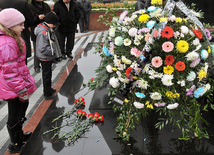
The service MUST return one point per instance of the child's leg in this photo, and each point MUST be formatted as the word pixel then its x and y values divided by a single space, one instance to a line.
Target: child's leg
pixel 46 77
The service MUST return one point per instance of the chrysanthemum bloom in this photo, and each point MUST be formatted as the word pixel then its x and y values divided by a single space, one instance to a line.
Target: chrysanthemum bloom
pixel 151 9
pixel 168 70
pixel 163 19
pixel 167 46
pixel 118 41
pixel 138 105
pixel 169 60
pixel 192 56
pixel 180 66
pixel 156 2
pixel 140 95
pixel 202 74
pixel 168 32
pixel 143 18
pixel 204 54
pixel 156 96
pixel 195 62
pixel 172 106
pixel 134 51
pixel 167 80
pixel 127 42
pixel 199 92
pixel 182 46
pixel 133 32
pixel 191 76
pixel 114 82
pixel 160 104
pixel 198 34
pixel 184 29
pixel 157 62
pixel 150 24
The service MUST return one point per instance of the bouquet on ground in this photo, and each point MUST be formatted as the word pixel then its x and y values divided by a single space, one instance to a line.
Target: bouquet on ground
pixel 171 79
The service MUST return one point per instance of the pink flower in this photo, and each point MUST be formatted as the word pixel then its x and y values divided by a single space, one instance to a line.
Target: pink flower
pixel 195 62
pixel 157 62
pixel 135 52
pixel 133 32
pixel 168 46
pixel 147 37
pixel 123 15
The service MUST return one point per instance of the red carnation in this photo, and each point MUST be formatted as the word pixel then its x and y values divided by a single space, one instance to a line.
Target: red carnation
pixel 90 116
pixel 77 101
pixel 168 32
pixel 96 114
pixel 198 34
pixel 79 112
pixel 180 66
pixel 128 71
pixel 169 60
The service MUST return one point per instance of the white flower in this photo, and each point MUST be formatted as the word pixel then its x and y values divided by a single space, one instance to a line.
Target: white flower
pixel 114 82
pixel 124 29
pixel 182 83
pixel 172 106
pixel 112 32
pixel 127 42
pixel 197 14
pixel 172 18
pixel 204 54
pixel 139 37
pixel 155 96
pixel 109 68
pixel 167 80
pixel 136 42
pixel 118 73
pixel 138 105
pixel 191 33
pixel 207 87
pixel 126 61
pixel 196 41
pixel 142 84
pixel 133 32
pixel 191 76
pixel 184 29
pixel 192 56
pixel 124 80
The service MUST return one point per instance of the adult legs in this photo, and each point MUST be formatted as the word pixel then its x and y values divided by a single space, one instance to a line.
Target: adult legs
pixel 70 43
pixel 86 22
pixel 36 60
pixel 81 24
pixel 61 40
pixel 46 77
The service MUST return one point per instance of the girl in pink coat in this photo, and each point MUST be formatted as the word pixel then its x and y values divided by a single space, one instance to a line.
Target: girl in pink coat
pixel 16 83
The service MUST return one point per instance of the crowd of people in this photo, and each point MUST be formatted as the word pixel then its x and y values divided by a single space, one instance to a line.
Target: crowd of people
pixel 51 27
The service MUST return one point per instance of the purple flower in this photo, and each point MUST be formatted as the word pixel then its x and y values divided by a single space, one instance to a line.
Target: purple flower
pixel 195 62
pixel 208 34
pixel 190 91
pixel 160 104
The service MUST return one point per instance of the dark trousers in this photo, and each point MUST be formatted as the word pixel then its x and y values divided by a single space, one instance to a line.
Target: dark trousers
pixel 46 77
pixel 36 59
pixel 84 22
pixel 68 47
pixel 16 111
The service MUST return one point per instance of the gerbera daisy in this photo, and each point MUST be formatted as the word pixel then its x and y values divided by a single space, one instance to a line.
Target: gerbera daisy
pixel 168 70
pixel 168 32
pixel 157 62
pixel 169 60
pixel 198 34
pixel 180 66
pixel 167 46
pixel 182 46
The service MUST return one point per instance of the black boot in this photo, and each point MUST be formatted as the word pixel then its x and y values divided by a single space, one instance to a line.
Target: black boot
pixel 27 134
pixel 16 138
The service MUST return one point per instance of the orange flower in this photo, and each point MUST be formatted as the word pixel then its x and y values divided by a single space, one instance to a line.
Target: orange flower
pixel 180 66
pixel 169 60
pixel 128 71
pixel 198 34
pixel 168 32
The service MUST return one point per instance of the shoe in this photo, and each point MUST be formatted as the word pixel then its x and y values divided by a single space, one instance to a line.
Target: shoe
pixel 63 56
pixel 70 56
pixel 86 31
pixel 37 69
pixel 53 90
pixel 16 138
pixel 26 135
pixel 51 97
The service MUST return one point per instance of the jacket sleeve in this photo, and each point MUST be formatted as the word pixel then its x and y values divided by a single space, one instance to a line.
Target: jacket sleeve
pixel 77 13
pixel 43 45
pixel 89 7
pixel 9 66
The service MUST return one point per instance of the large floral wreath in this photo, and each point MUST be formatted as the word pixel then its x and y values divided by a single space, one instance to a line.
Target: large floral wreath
pixel 171 79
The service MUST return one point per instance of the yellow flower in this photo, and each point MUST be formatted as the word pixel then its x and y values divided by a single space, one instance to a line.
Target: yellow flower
pixel 176 95
pixel 114 69
pixel 169 94
pixel 182 46
pixel 126 61
pixel 147 103
pixel 126 100
pixel 202 74
pixel 143 18
pixel 163 19
pixel 150 106
pixel 158 2
pixel 134 77
pixel 168 70
pixel 178 20
pixel 209 50
pixel 185 20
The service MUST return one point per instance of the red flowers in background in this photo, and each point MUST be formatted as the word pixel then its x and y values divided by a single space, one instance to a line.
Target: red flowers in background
pixel 96 117
pixel 169 60
pixel 168 32
pixel 180 66
pixel 81 113
pixel 198 34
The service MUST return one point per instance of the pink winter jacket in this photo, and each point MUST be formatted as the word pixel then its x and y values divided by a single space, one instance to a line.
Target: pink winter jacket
pixel 14 74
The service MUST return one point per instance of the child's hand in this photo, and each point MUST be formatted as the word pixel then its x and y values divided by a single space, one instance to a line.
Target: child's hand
pixel 23 96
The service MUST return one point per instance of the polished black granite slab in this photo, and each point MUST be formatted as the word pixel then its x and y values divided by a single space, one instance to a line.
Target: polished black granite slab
pixel 102 139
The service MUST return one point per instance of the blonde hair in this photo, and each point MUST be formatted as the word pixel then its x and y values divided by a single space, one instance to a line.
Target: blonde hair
pixel 12 34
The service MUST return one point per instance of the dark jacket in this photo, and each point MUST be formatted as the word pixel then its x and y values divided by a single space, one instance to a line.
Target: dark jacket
pixel 86 6
pixel 37 8
pixel 68 19
pixel 22 6
pixel 139 5
pixel 81 9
